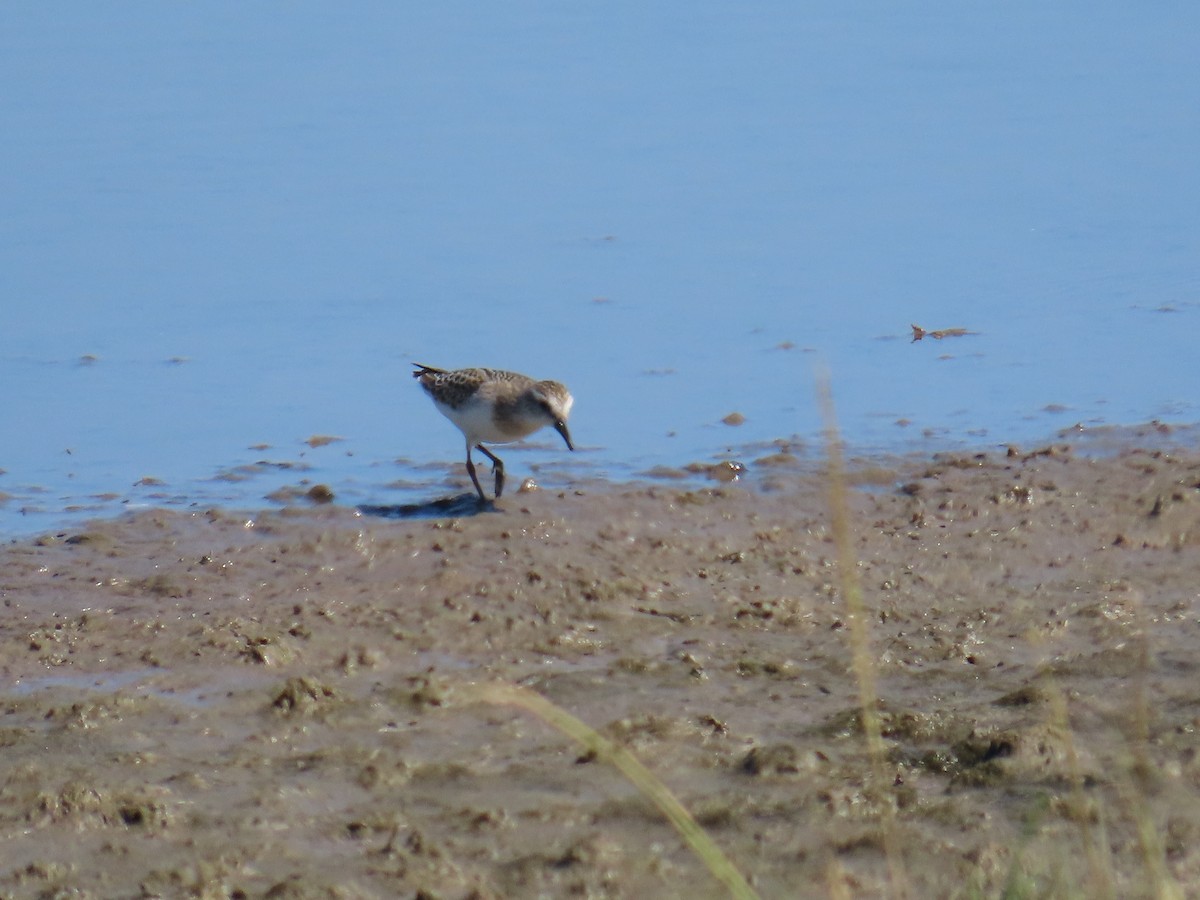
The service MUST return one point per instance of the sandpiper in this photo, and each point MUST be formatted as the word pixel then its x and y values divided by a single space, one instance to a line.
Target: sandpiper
pixel 496 406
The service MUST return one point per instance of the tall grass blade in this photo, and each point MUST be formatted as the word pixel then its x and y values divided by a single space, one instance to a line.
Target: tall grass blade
pixel 862 661
pixel 629 766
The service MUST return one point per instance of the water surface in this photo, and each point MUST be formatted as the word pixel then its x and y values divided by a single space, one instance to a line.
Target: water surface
pixel 231 227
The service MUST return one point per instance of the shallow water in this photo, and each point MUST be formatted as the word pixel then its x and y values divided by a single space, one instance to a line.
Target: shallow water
pixel 229 227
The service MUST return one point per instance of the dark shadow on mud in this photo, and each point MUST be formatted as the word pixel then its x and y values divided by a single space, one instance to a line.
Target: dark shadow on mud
pixel 462 505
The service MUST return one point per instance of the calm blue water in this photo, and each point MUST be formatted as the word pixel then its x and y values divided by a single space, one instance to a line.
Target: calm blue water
pixel 228 224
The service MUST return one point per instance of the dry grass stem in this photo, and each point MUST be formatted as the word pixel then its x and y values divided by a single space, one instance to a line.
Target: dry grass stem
pixel 629 766
pixel 862 660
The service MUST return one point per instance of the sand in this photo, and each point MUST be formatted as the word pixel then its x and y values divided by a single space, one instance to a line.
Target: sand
pixel 285 703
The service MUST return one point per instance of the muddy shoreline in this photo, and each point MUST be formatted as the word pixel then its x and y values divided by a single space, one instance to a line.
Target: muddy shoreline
pixel 282 704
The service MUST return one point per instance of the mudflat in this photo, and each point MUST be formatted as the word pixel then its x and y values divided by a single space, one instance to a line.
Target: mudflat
pixel 286 704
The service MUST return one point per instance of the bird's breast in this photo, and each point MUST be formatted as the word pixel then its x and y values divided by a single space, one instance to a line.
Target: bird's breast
pixel 486 422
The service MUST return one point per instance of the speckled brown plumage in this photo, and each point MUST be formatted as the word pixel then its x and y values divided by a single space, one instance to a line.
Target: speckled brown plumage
pixel 495 406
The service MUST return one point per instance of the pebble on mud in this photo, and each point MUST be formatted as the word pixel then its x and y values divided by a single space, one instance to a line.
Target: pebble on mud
pixel 301 695
pixel 779 759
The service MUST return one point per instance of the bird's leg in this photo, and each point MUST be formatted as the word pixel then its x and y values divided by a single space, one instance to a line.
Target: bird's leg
pixel 474 477
pixel 497 468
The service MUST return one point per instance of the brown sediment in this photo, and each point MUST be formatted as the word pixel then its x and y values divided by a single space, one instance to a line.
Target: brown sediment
pixel 228 704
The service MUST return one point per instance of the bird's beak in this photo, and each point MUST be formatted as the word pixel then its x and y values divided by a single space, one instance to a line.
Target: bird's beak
pixel 561 427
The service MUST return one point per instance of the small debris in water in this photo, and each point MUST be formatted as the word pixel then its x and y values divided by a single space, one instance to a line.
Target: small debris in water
pixel 320 493
pixel 734 418
pixel 729 470
pixel 664 472
pixel 919 333
pixel 782 458
pixel 320 440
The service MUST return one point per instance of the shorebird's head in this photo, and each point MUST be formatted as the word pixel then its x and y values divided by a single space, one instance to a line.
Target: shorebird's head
pixel 554 400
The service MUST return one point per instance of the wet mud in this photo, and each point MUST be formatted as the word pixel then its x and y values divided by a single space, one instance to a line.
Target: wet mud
pixel 284 704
